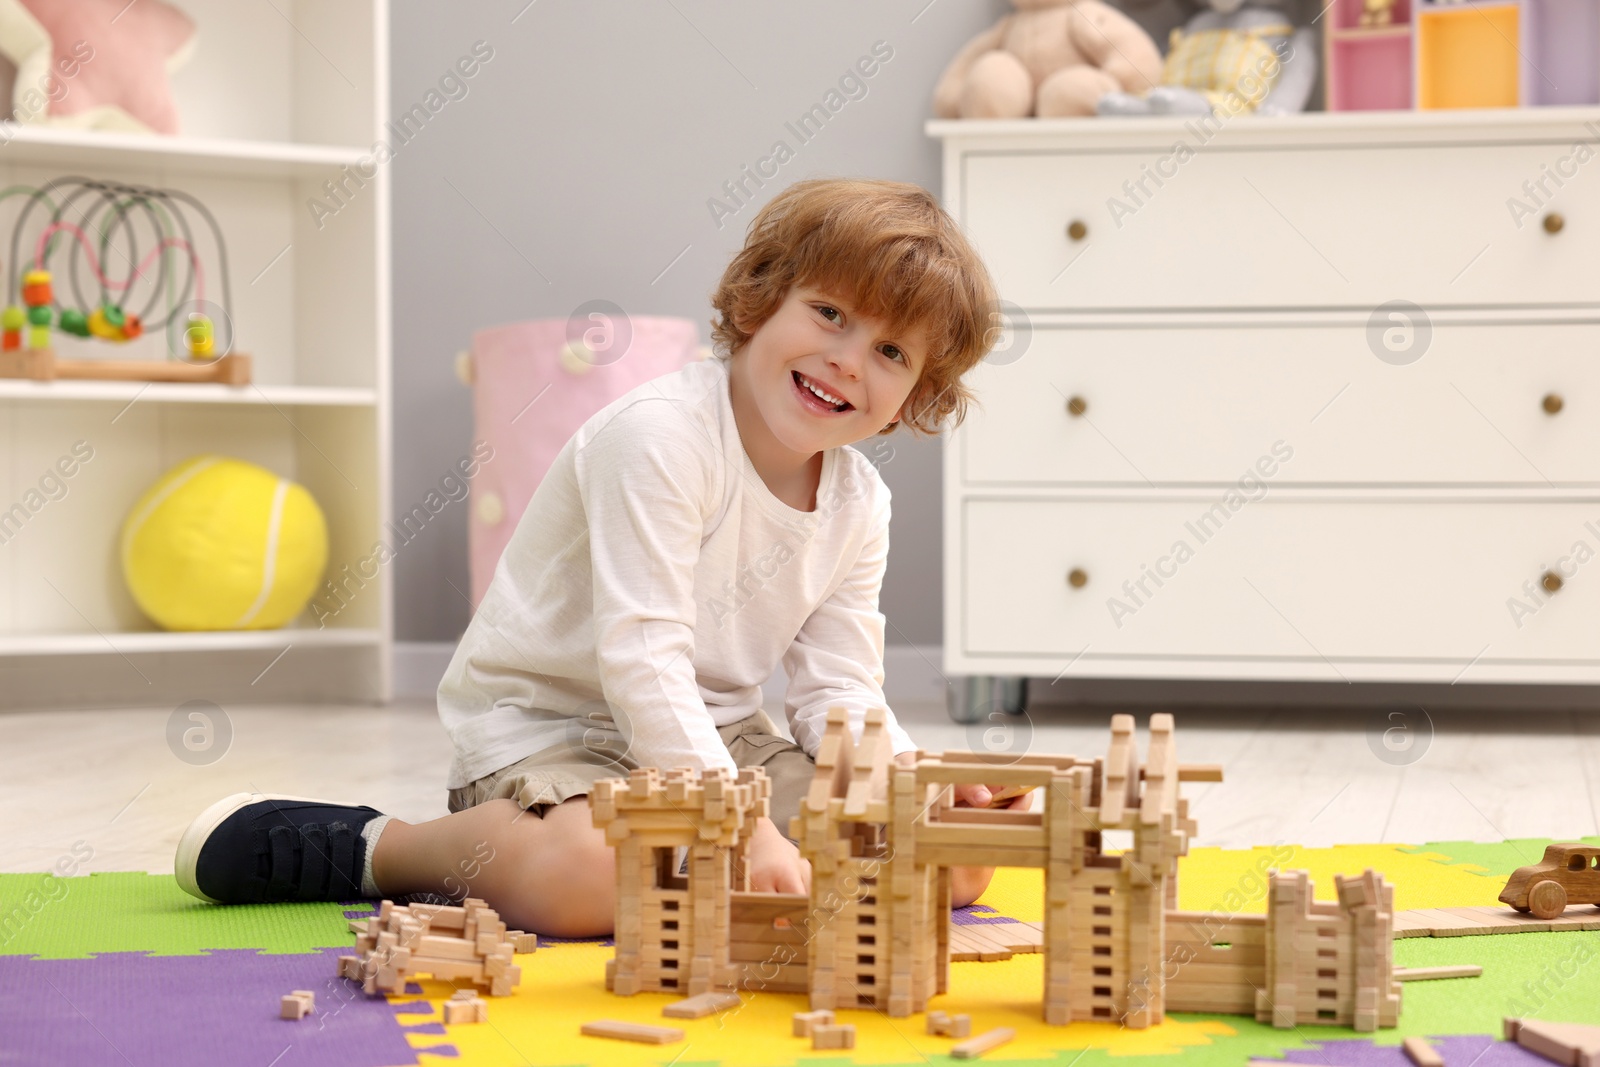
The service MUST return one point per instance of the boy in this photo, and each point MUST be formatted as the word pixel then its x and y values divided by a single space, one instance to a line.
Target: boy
pixel 689 536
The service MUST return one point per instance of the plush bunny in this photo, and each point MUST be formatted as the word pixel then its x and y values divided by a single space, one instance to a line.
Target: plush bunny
pixel 1049 58
pixel 1238 56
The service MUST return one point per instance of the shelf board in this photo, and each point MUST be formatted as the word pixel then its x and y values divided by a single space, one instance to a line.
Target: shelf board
pixel 1368 33
pixel 56 146
pixel 126 643
pixel 1427 8
pixel 187 393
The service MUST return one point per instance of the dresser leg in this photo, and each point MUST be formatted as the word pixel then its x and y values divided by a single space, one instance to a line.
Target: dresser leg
pixel 974 698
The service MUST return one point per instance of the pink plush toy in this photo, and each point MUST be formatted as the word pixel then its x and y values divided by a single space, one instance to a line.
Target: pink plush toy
pixel 532 389
pixel 1050 58
pixel 97 64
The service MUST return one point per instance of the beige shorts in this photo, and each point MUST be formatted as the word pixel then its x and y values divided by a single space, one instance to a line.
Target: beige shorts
pixel 552 776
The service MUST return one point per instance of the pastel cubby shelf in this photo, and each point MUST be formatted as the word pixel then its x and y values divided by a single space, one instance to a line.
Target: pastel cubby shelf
pixel 1368 68
pixel 1505 53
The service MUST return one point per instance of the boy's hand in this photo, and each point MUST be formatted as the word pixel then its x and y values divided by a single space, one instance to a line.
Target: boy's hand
pixel 775 865
pixel 981 796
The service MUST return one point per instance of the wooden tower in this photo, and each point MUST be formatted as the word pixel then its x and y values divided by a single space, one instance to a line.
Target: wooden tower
pixel 672 929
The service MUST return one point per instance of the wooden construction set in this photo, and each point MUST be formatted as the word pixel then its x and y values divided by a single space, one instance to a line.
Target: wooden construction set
pixel 875 932
pixel 450 943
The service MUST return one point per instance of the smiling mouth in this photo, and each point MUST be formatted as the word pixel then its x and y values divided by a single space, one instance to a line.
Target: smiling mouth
pixel 800 383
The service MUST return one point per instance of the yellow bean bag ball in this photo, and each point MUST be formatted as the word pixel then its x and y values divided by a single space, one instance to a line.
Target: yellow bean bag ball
pixel 221 544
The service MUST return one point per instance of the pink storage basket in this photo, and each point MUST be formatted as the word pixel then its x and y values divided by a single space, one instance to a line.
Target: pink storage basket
pixel 511 365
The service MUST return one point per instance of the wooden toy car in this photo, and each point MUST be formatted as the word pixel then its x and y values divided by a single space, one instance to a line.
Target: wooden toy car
pixel 1568 874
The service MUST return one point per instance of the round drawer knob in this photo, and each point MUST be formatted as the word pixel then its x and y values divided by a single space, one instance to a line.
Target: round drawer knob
pixel 1551 581
pixel 1077 405
pixel 1552 403
pixel 490 509
pixel 1553 222
pixel 1077 578
pixel 1077 230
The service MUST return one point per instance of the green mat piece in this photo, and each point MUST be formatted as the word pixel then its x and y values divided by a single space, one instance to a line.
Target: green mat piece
pixel 1497 859
pixel 1550 975
pixel 79 918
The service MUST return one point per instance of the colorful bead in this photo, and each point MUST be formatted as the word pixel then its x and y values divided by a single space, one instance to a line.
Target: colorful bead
pixel 38 337
pixel 36 288
pixel 13 318
pixel 10 340
pixel 199 335
pixel 99 327
pixel 113 315
pixel 132 326
pixel 39 315
pixel 74 322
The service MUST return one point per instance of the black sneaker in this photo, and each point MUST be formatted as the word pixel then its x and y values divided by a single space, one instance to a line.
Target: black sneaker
pixel 257 848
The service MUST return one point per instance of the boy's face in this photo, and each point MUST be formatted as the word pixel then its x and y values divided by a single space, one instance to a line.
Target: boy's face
pixel 820 339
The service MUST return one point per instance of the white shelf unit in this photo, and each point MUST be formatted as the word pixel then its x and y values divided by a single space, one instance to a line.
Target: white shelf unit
pixel 277 100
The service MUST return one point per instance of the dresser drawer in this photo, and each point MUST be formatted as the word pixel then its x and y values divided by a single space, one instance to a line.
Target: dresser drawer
pixel 1314 580
pixel 1204 404
pixel 1286 227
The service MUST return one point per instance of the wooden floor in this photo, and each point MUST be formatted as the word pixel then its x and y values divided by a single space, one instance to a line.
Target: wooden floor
pixel 107 781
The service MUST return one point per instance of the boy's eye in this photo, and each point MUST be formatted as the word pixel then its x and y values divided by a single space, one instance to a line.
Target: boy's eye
pixel 825 309
pixel 894 353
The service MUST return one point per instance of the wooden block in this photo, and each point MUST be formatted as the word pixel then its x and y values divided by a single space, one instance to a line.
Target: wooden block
pixel 522 943
pixel 807 1021
pixel 1571 1044
pixel 297 1004
pixel 941 1024
pixel 1419 1052
pixel 1419 974
pixel 833 1036
pixel 974 1047
pixel 465 1007
pixel 621 1031
pixel 701 1006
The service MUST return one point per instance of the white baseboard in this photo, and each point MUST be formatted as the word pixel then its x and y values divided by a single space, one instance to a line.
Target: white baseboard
pixel 911 673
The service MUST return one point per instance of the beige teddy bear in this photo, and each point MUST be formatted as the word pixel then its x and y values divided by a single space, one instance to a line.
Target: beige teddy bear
pixel 1049 58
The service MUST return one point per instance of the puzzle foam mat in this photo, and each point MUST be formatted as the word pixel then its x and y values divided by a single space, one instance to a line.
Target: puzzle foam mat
pixel 126 969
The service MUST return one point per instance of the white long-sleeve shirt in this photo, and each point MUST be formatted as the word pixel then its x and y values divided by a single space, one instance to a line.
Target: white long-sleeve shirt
pixel 655 582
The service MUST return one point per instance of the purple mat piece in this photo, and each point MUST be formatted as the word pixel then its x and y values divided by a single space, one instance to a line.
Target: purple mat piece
pixel 1478 1050
pixel 546 942
pixel 441 1050
pixel 176 1011
pixel 414 989
pixel 412 1007
pixel 977 915
pixel 359 913
pixel 428 1028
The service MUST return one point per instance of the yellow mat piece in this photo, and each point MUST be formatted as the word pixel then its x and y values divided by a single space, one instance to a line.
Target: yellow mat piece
pixel 563 986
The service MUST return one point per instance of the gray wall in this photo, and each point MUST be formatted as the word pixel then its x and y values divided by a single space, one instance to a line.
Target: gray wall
pixel 578 165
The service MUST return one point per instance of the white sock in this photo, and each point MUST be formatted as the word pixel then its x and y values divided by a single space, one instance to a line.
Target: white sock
pixel 369 834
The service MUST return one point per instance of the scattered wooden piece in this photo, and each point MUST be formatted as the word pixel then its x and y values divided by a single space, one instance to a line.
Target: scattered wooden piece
pixel 1419 1052
pixel 941 1024
pixel 522 943
pixel 358 926
pixel 465 1007
pixel 701 1006
pixel 807 1021
pixel 1571 1044
pixel 832 1036
pixel 1421 974
pixel 621 1031
pixel 297 1004
pixel 974 1047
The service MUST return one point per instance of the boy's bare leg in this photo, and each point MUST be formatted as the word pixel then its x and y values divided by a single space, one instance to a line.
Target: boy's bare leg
pixel 555 876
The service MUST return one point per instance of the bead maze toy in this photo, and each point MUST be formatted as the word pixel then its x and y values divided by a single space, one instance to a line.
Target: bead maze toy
pixel 875 932
pixel 178 301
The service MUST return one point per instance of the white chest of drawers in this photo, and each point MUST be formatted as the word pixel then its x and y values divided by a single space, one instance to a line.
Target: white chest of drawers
pixel 1215 446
